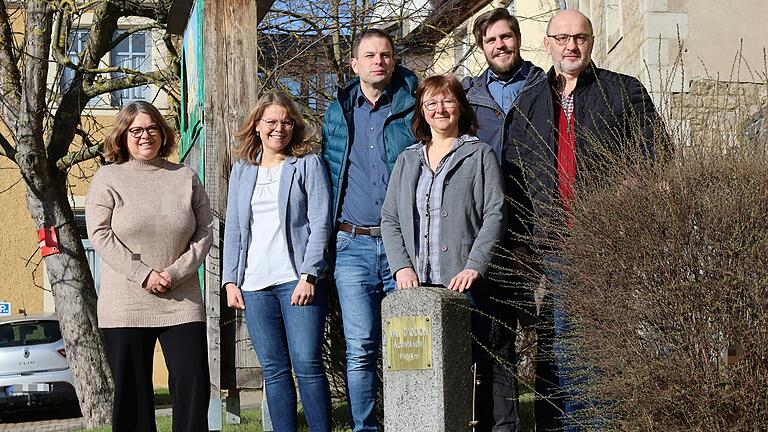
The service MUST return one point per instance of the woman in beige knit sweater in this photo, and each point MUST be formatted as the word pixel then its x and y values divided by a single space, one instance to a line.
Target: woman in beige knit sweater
pixel 150 221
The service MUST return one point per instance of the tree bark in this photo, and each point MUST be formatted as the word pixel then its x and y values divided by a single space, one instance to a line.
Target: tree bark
pixel 72 286
pixel 25 90
pixel 68 271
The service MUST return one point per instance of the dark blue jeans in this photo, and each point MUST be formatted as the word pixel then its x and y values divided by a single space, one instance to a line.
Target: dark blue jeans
pixel 362 278
pixel 285 335
pixel 569 371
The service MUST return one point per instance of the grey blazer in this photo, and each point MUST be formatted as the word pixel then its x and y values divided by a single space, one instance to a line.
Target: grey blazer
pixel 472 215
pixel 304 200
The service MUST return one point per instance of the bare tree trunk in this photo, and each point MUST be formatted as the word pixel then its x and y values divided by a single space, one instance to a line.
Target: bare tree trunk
pixel 68 271
pixel 72 286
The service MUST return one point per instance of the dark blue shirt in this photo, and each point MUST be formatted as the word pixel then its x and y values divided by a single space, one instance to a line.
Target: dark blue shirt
pixel 367 172
pixel 505 92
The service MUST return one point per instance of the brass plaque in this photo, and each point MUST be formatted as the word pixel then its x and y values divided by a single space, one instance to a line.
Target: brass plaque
pixel 409 343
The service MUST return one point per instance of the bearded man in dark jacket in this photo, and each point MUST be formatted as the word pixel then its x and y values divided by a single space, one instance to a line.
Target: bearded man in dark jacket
pixel 579 113
pixel 493 96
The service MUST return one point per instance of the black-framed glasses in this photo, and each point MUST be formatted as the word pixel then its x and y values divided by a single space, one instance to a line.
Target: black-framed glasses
pixel 431 105
pixel 581 39
pixel 137 132
pixel 272 124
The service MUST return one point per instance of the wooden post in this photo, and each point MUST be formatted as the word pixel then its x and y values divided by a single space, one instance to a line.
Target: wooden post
pixel 231 88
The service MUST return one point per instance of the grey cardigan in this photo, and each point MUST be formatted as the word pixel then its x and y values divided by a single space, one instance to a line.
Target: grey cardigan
pixel 304 201
pixel 472 215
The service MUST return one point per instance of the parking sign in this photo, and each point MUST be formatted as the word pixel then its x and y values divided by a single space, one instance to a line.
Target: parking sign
pixel 5 308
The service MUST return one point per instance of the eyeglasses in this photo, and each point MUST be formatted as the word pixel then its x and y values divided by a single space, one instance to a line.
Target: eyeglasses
pixel 431 105
pixel 272 124
pixel 581 39
pixel 137 132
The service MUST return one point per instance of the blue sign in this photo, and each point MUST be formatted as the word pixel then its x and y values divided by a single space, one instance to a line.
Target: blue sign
pixel 5 308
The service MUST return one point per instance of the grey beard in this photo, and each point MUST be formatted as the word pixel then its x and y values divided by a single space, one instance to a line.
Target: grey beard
pixel 574 67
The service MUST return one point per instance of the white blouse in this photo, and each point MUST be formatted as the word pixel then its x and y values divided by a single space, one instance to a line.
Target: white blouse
pixel 268 261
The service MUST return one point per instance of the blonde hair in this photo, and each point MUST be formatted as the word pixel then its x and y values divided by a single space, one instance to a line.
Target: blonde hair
pixel 250 142
pixel 115 148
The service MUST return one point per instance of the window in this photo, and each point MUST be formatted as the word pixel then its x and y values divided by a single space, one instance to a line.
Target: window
pixel 462 47
pixel 94 261
pixel 613 24
pixel 32 332
pixel 132 52
pixel 323 84
pixel 75 45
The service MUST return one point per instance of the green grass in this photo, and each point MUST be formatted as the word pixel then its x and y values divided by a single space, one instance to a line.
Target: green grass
pixel 162 397
pixel 527 421
pixel 250 419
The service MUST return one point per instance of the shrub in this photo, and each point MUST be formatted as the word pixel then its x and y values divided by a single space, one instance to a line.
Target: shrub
pixel 666 288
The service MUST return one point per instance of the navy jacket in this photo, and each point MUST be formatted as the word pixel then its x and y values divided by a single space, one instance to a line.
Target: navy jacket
pixel 338 128
pixel 502 131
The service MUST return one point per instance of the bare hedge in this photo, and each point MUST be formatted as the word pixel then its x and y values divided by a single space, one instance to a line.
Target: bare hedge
pixel 667 288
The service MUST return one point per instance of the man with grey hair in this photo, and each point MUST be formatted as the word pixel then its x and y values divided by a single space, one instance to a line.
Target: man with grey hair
pixel 580 113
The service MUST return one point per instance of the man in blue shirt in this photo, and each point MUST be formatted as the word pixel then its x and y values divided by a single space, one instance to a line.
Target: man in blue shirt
pixel 364 131
pixel 493 95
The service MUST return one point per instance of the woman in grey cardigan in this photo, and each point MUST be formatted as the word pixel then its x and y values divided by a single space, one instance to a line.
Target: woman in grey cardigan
pixel 443 216
pixel 278 223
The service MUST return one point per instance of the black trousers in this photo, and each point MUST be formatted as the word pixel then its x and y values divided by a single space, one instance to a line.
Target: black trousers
pixel 130 351
pixel 494 325
pixel 549 404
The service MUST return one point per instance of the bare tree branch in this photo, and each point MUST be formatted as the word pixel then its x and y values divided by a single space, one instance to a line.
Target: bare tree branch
pixel 6 149
pixel 82 155
pixel 38 26
pixel 133 78
pixel 88 80
pixel 127 33
pixel 13 185
pixel 10 76
pixel 153 9
pixel 60 36
pixel 331 50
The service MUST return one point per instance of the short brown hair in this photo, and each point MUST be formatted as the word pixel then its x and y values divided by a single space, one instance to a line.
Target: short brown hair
pixel 371 33
pixel 490 18
pixel 437 84
pixel 250 141
pixel 115 148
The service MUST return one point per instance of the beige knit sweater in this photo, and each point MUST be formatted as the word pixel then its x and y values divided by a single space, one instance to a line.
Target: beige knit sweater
pixel 145 215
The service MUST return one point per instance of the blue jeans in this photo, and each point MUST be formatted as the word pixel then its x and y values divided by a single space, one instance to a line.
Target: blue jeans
pixel 569 372
pixel 560 349
pixel 285 335
pixel 363 279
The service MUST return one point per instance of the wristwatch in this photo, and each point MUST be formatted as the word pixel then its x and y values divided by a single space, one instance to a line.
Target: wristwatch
pixel 308 278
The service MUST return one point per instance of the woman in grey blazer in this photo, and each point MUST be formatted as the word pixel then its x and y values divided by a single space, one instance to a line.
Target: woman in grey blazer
pixel 443 214
pixel 277 225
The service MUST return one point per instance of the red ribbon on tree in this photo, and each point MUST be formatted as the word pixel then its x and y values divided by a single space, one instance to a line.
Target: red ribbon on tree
pixel 48 241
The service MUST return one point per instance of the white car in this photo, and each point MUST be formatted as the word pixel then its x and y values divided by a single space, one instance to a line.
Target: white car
pixel 33 363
